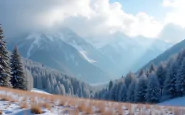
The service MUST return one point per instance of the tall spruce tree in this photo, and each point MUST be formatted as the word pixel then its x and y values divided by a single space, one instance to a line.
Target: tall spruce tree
pixel 161 75
pixel 140 91
pixel 122 93
pixel 153 89
pixel 18 77
pixel 130 91
pixel 128 79
pixel 180 81
pixel 170 82
pixel 151 69
pixel 5 74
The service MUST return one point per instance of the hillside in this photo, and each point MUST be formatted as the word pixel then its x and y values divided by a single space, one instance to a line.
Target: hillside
pixel 16 102
pixel 56 82
pixel 153 84
pixel 174 102
pixel 64 51
pixel 166 55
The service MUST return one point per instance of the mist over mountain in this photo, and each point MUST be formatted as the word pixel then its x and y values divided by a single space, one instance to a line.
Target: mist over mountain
pixel 64 51
pixel 68 52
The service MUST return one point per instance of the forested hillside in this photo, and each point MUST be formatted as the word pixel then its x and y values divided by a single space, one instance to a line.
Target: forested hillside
pixel 152 85
pixel 56 82
pixel 164 56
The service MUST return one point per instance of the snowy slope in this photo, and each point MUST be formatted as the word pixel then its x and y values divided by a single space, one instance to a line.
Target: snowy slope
pixel 174 102
pixel 60 51
pixel 73 106
pixel 39 91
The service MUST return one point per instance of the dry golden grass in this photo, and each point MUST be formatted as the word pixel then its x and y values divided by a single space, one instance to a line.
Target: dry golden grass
pixel 86 106
pixel 74 112
pixel 36 109
pixel 23 105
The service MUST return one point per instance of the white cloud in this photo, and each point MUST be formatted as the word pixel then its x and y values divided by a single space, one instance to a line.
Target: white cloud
pixel 176 15
pixel 86 17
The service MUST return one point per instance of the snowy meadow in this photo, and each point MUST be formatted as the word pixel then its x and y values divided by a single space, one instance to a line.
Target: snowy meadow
pixel 17 102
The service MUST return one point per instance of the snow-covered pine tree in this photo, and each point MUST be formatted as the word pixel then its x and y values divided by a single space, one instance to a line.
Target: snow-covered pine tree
pixel 153 89
pixel 18 80
pixel 130 91
pixel 140 91
pixel 161 75
pixel 141 73
pixel 151 69
pixel 113 92
pixel 5 75
pixel 170 81
pixel 110 84
pixel 128 79
pixel 29 79
pixel 180 81
pixel 122 93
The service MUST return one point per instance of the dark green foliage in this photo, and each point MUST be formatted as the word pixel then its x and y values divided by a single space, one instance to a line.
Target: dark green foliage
pixel 140 91
pixel 19 80
pixel 5 75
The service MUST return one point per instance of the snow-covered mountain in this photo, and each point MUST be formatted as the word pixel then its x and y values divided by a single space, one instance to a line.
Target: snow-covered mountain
pixel 131 53
pixel 167 54
pixel 64 51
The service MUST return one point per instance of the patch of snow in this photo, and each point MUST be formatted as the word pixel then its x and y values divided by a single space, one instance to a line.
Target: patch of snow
pixel 174 102
pixel 84 54
pixel 39 91
pixel 36 38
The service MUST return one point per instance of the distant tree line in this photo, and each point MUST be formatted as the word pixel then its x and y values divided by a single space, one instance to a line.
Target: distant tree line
pixel 153 85
pixel 12 73
pixel 56 82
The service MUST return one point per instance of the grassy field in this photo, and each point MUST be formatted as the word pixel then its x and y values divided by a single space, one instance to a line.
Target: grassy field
pixel 16 102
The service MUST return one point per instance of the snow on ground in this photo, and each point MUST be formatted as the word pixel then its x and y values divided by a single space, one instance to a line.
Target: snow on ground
pixel 11 102
pixel 174 102
pixel 39 91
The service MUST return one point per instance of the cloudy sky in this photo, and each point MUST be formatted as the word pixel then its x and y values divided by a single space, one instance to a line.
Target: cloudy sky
pixel 155 19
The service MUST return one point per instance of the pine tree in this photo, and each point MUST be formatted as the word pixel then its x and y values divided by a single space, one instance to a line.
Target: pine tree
pixel 161 75
pixel 122 93
pixel 170 81
pixel 141 73
pixel 128 79
pixel 140 91
pixel 153 89
pixel 130 91
pixel 180 81
pixel 5 75
pixel 110 84
pixel 18 80
pixel 113 92
pixel 151 69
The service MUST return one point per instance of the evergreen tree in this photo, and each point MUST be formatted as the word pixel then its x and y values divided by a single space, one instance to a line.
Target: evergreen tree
pixel 153 89
pixel 122 93
pixel 161 75
pixel 141 73
pixel 29 79
pixel 170 82
pixel 130 91
pixel 140 91
pixel 5 75
pixel 128 79
pixel 151 69
pixel 18 80
pixel 110 85
pixel 113 92
pixel 180 81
